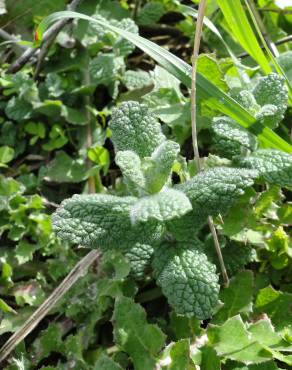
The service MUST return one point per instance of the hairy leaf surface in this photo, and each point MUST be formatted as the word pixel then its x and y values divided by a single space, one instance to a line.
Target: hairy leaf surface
pixel 163 206
pixel 187 278
pixel 215 190
pixel 135 128
pixel 274 166
pixel 102 221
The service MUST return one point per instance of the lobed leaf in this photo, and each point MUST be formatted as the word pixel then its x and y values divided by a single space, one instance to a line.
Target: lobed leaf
pixel 142 341
pixel 233 341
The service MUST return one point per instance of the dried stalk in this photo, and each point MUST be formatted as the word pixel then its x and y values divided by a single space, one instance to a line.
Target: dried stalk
pixel 198 36
pixel 77 272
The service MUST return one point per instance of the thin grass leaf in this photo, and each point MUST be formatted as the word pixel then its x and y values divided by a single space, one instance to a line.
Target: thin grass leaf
pixel 215 97
pixel 242 31
pixel 274 61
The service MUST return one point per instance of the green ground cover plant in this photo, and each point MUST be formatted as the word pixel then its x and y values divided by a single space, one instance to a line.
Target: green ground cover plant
pixel 97 165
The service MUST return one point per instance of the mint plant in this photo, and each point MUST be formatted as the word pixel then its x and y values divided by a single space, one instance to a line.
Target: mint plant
pixel 157 221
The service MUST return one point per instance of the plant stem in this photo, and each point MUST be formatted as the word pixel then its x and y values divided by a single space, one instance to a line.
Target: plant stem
pixel 77 272
pixel 198 36
pixel 89 141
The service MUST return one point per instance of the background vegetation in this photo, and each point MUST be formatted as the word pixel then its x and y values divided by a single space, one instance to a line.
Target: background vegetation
pixel 55 142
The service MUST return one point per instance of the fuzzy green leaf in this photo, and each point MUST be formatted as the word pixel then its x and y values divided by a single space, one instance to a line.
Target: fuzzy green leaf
pixel 163 206
pixel 105 68
pixel 130 165
pixel 158 167
pixel 274 167
pixel 139 256
pixel 136 79
pixel 271 91
pixel 187 278
pixel 135 128
pixel 215 190
pixel 101 221
pixel 231 139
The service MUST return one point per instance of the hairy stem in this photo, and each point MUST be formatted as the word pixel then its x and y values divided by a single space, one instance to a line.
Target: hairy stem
pixel 198 36
pixel 77 272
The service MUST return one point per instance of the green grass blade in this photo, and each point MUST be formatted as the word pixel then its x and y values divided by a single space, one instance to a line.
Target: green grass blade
pixel 274 61
pixel 242 31
pixel 215 97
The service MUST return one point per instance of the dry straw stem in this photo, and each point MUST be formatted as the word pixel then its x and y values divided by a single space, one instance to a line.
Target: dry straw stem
pixel 77 272
pixel 198 36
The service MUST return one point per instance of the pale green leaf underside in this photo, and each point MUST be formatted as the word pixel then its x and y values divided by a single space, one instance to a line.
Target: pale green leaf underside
pixel 158 167
pixel 131 167
pixel 163 206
